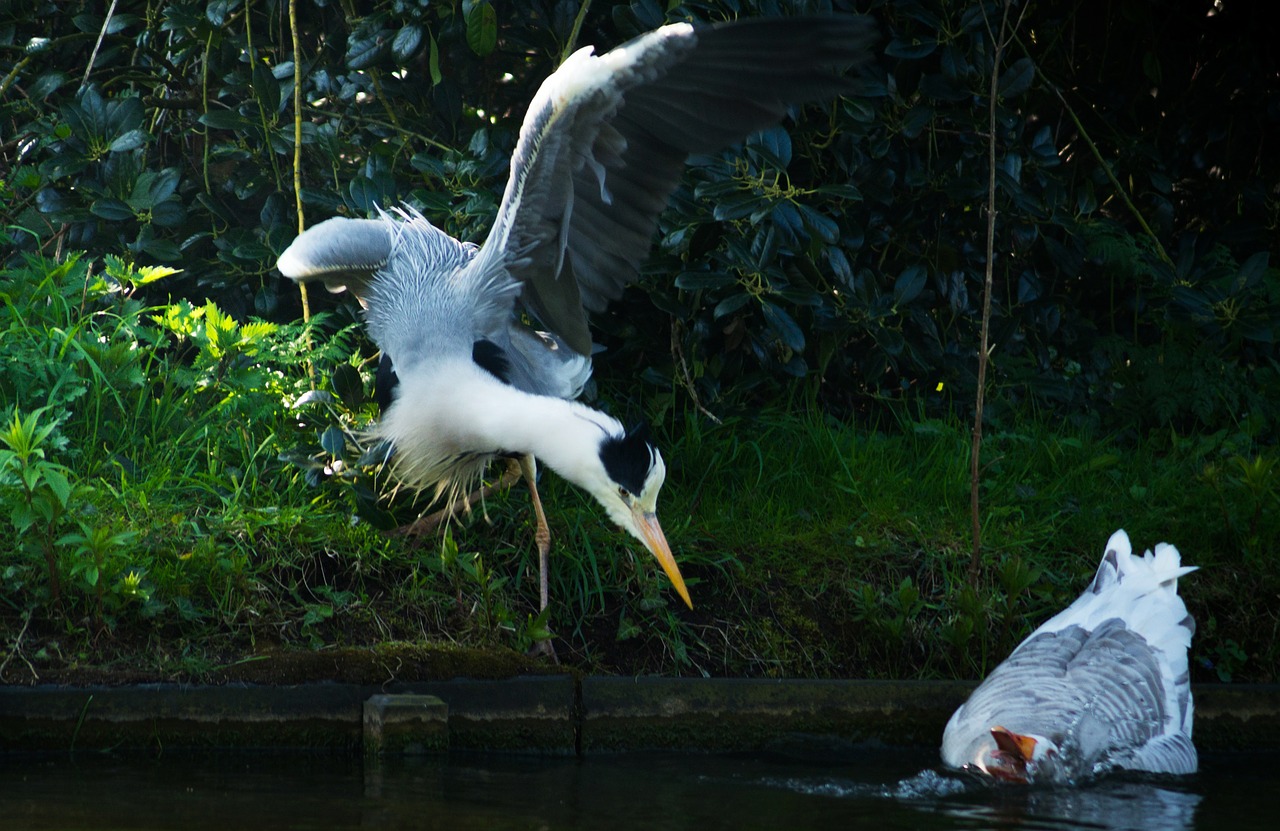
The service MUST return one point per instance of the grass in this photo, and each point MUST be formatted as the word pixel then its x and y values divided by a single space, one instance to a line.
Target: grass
pixel 175 512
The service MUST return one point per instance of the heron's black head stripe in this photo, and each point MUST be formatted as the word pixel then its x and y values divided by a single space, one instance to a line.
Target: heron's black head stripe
pixel 628 458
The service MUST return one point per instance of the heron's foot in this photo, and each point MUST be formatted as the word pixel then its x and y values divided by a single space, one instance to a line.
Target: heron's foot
pixel 423 525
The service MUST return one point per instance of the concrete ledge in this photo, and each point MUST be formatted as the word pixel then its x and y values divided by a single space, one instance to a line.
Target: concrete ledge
pixel 528 713
pixel 750 714
pixel 549 714
pixel 1233 717
pixel 161 716
pixel 405 723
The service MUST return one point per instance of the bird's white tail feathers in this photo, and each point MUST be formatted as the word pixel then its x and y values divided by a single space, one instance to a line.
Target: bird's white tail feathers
pixel 1140 590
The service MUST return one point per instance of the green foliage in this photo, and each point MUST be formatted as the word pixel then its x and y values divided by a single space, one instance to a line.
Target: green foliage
pixel 95 550
pixel 493 616
pixel 36 490
pixel 852 545
pixel 119 414
pixel 168 491
pixel 838 258
pixel 1248 492
pixel 184 462
pixel 151 493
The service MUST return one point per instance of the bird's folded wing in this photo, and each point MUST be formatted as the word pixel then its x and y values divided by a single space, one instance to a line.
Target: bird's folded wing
pixel 1174 753
pixel 606 138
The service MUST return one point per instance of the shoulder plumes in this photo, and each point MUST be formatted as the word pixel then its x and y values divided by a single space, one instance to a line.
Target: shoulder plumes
pixel 420 250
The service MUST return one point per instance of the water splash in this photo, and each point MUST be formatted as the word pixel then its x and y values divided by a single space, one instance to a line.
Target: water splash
pixel 927 784
pixel 822 787
pixel 930 784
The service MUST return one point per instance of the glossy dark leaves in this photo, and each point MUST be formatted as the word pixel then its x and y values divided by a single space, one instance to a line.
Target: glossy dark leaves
pixel 333 440
pixel 114 210
pixel 784 326
pixel 348 385
pixel 848 242
pixel 1017 79
pixel 365 49
pixel 697 280
pixel 406 44
pixel 910 49
pixel 909 284
pixel 482 27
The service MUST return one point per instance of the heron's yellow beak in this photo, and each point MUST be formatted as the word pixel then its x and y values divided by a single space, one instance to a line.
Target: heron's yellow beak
pixel 656 542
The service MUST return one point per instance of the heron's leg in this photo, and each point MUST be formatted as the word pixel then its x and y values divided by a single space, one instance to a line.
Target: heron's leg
pixel 542 536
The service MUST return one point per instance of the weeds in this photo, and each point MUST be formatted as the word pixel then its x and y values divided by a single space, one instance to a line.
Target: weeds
pixel 183 487
pixel 37 490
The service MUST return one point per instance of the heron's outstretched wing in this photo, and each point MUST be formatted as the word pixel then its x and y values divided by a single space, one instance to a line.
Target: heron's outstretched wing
pixel 343 253
pixel 606 138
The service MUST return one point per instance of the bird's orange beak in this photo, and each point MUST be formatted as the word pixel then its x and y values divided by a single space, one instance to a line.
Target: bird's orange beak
pixel 1008 762
pixel 656 542
pixel 1016 743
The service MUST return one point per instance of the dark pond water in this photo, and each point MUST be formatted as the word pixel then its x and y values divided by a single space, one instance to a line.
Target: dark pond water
pixel 868 788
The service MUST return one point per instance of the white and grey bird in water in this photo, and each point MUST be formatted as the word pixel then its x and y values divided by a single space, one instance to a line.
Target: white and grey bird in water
pixel 602 148
pixel 1101 686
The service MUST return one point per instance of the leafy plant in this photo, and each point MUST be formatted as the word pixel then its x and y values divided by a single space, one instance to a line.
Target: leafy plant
pixel 37 490
pixel 1248 491
pixel 96 552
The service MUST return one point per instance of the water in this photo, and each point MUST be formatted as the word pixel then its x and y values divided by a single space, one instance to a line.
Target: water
pixel 851 788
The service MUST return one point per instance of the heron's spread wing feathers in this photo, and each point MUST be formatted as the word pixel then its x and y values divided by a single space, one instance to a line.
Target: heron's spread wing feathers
pixel 343 253
pixel 406 273
pixel 606 138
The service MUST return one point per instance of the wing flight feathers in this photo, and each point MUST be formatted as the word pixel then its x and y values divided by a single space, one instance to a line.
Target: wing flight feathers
pixel 606 139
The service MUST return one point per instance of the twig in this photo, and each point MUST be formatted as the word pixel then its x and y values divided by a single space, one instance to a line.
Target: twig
pixel 17 650
pixel 13 74
pixel 93 56
pixel 577 28
pixel 1097 155
pixel 297 170
pixel 984 354
pixel 686 380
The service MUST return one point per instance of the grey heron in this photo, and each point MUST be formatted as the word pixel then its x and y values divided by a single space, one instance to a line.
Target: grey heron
pixel 1103 685
pixel 601 149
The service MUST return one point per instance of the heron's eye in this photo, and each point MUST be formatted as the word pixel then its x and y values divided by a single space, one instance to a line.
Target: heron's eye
pixel 622 492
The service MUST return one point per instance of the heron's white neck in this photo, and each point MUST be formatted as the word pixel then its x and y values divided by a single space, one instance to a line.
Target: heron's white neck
pixel 454 409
